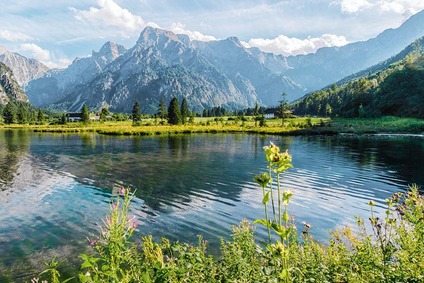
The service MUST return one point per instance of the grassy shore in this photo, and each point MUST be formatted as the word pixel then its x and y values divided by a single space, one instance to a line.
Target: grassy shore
pixel 292 126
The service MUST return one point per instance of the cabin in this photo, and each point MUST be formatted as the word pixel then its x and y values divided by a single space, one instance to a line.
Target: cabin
pixel 269 113
pixel 73 117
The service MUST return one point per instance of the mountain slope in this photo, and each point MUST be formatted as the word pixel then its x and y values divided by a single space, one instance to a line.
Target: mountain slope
pixel 393 87
pixel 9 87
pixel 56 84
pixel 160 65
pixel 24 69
pixel 331 64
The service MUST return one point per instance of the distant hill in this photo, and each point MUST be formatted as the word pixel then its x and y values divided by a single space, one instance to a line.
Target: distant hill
pixel 9 87
pixel 392 87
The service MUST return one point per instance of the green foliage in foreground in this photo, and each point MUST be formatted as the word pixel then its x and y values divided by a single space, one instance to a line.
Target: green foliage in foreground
pixel 391 250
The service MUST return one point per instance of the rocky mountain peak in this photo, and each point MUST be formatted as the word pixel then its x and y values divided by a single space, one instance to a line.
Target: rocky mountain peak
pixel 110 51
pixel 151 36
pixel 24 69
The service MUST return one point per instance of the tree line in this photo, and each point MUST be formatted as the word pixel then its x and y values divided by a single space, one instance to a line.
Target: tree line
pixel 397 90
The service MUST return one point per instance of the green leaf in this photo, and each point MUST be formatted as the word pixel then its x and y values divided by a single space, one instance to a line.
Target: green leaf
pixel 286 216
pixel 265 200
pixel 263 222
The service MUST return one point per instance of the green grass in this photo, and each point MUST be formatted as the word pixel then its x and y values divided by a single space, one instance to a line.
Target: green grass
pixel 200 125
pixel 377 125
pixel 292 126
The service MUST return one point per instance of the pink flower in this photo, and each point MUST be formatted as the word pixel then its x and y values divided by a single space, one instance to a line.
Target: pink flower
pixel 134 225
pixel 92 243
pixel 122 191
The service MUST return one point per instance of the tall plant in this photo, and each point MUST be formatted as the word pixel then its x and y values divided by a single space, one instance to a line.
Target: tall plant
pixel 278 163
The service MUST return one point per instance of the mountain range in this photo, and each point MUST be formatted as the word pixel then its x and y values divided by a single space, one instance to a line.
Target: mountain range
pixel 223 73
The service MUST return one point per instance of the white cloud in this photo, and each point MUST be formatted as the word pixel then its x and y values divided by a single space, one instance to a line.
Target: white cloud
pixel 404 7
pixel 35 51
pixel 294 46
pixel 354 6
pixel 13 35
pixel 179 28
pixel 408 7
pixel 110 13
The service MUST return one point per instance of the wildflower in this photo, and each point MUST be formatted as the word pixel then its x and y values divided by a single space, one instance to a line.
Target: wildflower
pixel 134 225
pixel 307 225
pixel 262 180
pixel 286 196
pixel 371 203
pixel 122 191
pixel 92 243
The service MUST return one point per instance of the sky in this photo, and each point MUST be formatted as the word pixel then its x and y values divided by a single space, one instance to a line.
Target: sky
pixel 57 31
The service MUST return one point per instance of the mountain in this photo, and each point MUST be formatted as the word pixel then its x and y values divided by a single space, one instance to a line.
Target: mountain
pixel 250 69
pixel 58 83
pixel 24 69
pixel 216 73
pixel 9 87
pixel 331 64
pixel 163 65
pixel 392 87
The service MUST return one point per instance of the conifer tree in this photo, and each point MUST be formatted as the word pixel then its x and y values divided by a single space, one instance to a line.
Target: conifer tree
pixel 136 112
pixel 185 112
pixel 9 113
pixel 40 116
pixel 162 113
pixel 174 112
pixel 85 115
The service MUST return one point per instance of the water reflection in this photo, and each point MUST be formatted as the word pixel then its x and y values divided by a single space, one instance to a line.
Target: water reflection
pixel 186 184
pixel 13 148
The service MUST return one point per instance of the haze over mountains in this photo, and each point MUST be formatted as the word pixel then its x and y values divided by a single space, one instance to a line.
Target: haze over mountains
pixel 216 73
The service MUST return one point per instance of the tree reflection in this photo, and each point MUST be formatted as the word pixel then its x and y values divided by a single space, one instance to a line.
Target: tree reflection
pixel 14 145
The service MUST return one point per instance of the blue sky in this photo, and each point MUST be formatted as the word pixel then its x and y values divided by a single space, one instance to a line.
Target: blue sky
pixel 57 31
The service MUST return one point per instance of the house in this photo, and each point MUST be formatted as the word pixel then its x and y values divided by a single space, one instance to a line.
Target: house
pixel 73 117
pixel 269 113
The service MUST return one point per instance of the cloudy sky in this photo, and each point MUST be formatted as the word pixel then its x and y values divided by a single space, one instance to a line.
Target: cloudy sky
pixel 57 31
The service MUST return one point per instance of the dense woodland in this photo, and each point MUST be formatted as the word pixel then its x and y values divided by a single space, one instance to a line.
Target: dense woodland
pixel 390 88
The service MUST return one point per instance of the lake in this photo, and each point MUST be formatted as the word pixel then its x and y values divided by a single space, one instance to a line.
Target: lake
pixel 55 188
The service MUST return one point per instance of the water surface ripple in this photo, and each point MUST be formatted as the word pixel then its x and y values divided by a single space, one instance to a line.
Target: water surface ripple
pixel 55 188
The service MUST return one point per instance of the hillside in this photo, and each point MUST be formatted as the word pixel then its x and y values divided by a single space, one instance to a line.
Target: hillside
pixel 393 87
pixel 9 87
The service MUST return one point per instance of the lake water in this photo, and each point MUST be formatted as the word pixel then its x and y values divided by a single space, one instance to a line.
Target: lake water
pixel 55 188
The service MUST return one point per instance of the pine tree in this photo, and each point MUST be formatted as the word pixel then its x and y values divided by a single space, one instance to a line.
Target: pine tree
pixel 63 119
pixel 22 114
pixel 162 113
pixel 256 113
pixel 185 112
pixel 9 113
pixel 104 113
pixel 136 112
pixel 174 112
pixel 283 108
pixel 85 115
pixel 40 116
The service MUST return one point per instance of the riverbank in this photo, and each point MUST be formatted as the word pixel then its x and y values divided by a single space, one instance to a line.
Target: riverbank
pixel 292 126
